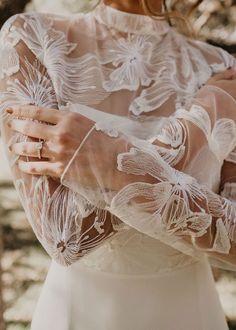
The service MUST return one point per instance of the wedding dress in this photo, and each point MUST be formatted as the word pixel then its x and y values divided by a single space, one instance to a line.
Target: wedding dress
pixel 148 199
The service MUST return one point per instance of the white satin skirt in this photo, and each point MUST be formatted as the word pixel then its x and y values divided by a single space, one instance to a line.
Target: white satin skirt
pixel 78 298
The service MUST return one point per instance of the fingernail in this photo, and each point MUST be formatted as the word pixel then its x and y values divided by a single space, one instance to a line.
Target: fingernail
pixel 10 148
pixel 9 110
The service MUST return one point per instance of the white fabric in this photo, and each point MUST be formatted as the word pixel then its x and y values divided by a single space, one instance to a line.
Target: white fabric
pixel 150 190
pixel 183 299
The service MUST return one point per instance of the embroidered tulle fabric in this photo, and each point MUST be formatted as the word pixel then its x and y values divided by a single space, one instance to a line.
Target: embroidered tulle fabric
pixel 155 175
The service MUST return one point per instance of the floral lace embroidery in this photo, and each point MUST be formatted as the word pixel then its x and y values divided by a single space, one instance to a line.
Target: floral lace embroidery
pixel 149 67
pixel 132 58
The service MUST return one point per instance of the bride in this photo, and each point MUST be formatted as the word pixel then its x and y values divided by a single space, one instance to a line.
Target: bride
pixel 121 136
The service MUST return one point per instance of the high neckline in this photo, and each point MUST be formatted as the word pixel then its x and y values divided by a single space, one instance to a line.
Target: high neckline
pixel 130 23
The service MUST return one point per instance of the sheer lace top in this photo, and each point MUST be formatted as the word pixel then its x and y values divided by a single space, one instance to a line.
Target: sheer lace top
pixel 166 141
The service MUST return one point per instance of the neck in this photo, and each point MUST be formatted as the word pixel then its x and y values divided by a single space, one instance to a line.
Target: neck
pixel 134 6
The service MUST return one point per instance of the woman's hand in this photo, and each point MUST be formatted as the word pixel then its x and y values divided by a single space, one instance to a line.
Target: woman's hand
pixel 225 80
pixel 60 133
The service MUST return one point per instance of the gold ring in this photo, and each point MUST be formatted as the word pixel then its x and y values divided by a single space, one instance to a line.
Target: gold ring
pixel 39 148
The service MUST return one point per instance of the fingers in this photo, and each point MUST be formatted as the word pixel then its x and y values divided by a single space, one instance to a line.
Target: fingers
pixel 41 168
pixel 29 149
pixel 225 75
pixel 32 129
pixel 51 116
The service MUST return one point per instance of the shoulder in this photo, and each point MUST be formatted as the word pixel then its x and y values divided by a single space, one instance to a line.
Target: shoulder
pixel 217 57
pixel 37 35
pixel 202 53
pixel 38 23
pixel 19 21
pixel 19 29
pixel 32 25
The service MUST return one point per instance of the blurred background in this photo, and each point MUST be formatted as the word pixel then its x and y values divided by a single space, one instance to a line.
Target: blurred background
pixel 24 264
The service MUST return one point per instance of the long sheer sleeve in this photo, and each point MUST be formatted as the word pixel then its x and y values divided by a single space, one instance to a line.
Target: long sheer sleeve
pixel 64 222
pixel 144 171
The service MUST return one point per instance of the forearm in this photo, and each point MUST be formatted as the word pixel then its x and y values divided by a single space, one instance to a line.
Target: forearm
pixel 143 184
pixel 65 223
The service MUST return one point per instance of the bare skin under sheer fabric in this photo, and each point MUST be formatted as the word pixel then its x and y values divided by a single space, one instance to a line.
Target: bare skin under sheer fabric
pixel 149 194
